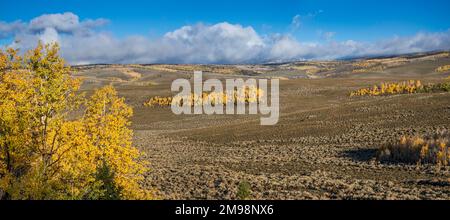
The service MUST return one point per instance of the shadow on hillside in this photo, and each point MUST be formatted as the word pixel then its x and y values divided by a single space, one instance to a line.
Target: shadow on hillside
pixel 361 155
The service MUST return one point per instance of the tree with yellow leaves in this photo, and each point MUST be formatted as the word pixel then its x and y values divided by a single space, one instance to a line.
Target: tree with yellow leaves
pixel 107 120
pixel 46 155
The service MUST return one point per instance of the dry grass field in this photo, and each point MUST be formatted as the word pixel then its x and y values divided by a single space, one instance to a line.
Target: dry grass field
pixel 325 145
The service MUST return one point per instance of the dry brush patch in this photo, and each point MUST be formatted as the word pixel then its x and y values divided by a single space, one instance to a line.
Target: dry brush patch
pixel 379 68
pixel 430 149
pixel 367 66
pixel 314 68
pixel 442 69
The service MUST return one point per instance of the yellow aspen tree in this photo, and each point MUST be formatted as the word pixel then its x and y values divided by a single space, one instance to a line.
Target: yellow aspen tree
pixel 46 155
pixel 107 120
pixel 15 117
pixel 53 97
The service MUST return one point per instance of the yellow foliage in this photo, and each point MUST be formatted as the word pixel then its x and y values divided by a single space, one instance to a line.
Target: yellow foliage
pixel 434 149
pixel 43 154
pixel 312 69
pixel 221 69
pixel 107 122
pixel 408 87
pixel 242 95
pixel 369 69
pixel 159 101
pixel 443 68
pixel 365 64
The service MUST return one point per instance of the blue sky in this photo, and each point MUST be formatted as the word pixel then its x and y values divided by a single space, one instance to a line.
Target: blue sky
pixel 305 23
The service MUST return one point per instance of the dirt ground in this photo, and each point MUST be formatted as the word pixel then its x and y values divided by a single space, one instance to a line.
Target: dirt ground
pixel 323 147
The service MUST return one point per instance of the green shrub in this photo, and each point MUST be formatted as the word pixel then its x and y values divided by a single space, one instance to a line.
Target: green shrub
pixel 244 190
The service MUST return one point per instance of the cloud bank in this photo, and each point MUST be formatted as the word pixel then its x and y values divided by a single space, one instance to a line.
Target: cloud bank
pixel 84 42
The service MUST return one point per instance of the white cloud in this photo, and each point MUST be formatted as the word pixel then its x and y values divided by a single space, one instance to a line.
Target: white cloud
pixel 285 48
pixel 223 43
pixel 9 29
pixel 417 43
pixel 84 42
pixel 65 23
pixel 49 35
pixel 296 22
